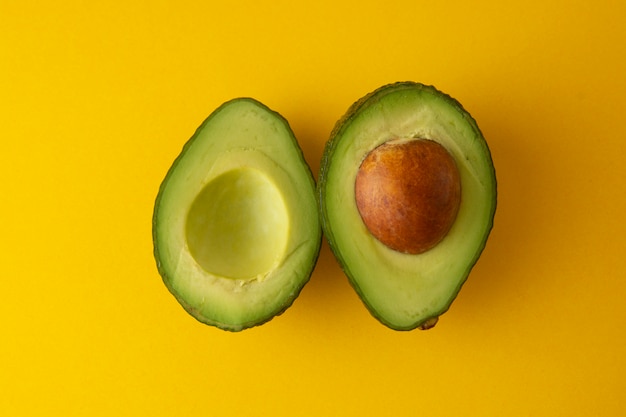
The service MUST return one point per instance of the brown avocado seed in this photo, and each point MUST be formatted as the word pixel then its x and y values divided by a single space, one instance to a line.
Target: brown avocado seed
pixel 408 194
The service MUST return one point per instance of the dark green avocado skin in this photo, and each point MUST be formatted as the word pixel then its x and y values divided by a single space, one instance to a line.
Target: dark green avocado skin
pixel 329 153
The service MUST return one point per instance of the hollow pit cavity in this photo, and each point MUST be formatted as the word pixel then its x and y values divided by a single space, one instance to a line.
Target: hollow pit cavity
pixel 238 225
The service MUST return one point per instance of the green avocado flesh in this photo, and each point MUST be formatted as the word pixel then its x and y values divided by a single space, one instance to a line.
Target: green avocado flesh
pixel 235 226
pixel 406 291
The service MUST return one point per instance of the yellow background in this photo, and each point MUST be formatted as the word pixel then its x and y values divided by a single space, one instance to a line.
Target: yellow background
pixel 97 98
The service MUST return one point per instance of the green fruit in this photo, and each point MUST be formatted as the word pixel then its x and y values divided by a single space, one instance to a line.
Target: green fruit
pixel 235 226
pixel 407 193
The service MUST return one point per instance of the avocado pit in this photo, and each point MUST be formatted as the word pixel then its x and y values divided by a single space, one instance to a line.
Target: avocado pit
pixel 408 193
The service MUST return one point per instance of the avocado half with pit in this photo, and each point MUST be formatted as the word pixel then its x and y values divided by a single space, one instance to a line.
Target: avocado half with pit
pixel 236 230
pixel 407 194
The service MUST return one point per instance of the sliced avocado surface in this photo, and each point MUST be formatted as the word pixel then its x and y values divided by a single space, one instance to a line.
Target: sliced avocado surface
pixel 235 226
pixel 406 290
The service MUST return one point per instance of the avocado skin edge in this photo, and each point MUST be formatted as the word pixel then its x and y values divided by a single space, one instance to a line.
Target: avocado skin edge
pixel 335 135
pixel 288 302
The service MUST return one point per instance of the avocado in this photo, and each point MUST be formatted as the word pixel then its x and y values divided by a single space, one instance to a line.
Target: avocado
pixel 407 194
pixel 235 227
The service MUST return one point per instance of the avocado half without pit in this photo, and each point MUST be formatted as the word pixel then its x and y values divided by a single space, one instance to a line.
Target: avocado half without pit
pixel 236 230
pixel 407 194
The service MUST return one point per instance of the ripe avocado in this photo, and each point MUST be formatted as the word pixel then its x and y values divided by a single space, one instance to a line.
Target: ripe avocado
pixel 407 194
pixel 236 231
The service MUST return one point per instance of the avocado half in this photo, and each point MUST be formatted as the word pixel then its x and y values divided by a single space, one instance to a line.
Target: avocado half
pixel 406 289
pixel 236 231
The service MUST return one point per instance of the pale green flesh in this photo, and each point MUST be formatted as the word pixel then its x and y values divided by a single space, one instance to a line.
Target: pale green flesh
pixel 235 227
pixel 403 290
